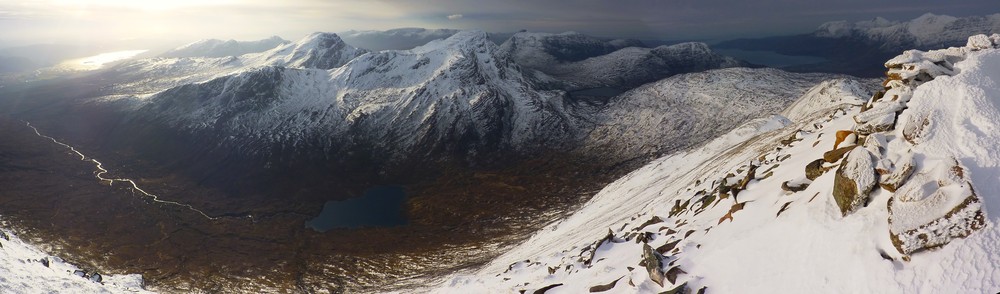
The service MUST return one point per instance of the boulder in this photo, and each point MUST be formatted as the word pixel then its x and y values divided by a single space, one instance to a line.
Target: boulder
pixel 605 287
pixel 845 137
pixel 902 171
pixel 654 266
pixel 834 155
pixel 853 180
pixel 933 208
pixel 815 169
pixel 880 121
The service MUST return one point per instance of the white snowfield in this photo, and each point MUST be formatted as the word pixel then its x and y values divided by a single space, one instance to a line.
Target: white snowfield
pixel 741 215
pixel 23 270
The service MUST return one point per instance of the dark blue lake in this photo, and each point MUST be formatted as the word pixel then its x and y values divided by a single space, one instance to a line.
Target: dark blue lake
pixel 770 58
pixel 379 207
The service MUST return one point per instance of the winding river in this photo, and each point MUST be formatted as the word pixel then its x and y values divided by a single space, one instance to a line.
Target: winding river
pixel 101 171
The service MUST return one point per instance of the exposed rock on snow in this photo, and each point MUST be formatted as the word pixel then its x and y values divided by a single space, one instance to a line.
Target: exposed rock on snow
pixel 854 180
pixel 934 208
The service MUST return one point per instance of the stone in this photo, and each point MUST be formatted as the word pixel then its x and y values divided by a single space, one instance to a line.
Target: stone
pixel 834 155
pixel 654 266
pixel 542 290
pixel 793 187
pixel 605 287
pixel 902 171
pixel 854 180
pixel 933 208
pixel 844 137
pixel 815 169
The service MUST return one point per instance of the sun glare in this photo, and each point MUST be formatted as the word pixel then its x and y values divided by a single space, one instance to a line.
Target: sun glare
pixel 152 5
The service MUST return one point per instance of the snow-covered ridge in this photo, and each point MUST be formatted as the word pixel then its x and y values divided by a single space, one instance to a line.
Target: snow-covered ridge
pixel 850 197
pixel 26 269
pixel 139 79
pixel 220 48
pixel 926 31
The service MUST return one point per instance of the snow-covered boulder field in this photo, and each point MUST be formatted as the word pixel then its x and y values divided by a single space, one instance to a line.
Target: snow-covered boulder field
pixel 896 193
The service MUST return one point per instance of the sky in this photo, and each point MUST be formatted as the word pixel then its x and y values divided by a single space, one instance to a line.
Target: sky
pixel 109 21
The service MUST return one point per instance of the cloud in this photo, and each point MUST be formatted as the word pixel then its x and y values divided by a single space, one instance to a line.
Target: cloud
pixel 455 16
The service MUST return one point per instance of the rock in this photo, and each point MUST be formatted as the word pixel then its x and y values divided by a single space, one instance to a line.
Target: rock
pixel 654 220
pixel 673 273
pixel 845 137
pixel 834 155
pixel 605 287
pixel 880 121
pixel 680 289
pixel 814 169
pixel 80 273
pixel 914 128
pixel 853 180
pixel 667 247
pixel 904 168
pixel 654 266
pixel 96 277
pixel 4 235
pixel 979 42
pixel 794 187
pixel 875 143
pixel 45 261
pixel 546 288
pixel 933 208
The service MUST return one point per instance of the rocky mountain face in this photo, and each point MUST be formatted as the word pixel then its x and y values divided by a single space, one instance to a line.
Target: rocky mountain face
pixel 221 48
pixel 585 62
pixel 889 185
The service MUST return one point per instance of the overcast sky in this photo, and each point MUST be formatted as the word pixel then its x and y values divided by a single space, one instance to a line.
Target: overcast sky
pixel 46 21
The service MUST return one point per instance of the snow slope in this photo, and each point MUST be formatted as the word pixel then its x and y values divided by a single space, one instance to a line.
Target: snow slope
pixel 676 112
pixel 760 210
pixel 25 269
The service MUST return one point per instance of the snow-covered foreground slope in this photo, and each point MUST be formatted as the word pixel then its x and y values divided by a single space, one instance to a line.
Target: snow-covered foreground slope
pixel 896 195
pixel 25 269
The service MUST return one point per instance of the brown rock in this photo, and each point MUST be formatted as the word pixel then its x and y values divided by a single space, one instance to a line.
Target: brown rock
pixel 853 180
pixel 834 155
pixel 654 266
pixel 605 287
pixel 841 136
pixel 898 176
pixel 815 169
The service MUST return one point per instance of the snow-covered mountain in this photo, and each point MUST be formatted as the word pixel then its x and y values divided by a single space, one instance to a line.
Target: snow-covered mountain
pixel 857 48
pixel 221 48
pixel 676 112
pixel 144 77
pixel 459 94
pixel 839 194
pixel 587 62
pixel 926 31
pixel 395 39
